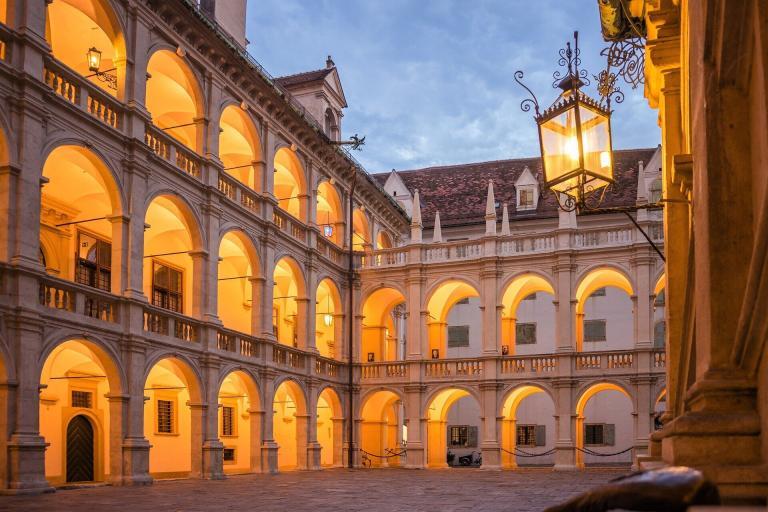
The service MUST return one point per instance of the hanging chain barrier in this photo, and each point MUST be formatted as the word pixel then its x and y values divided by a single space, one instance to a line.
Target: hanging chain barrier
pixel 388 454
pixel 520 453
pixel 597 454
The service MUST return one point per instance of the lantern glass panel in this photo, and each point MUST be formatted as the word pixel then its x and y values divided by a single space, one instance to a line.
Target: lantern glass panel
pixel 560 149
pixel 596 142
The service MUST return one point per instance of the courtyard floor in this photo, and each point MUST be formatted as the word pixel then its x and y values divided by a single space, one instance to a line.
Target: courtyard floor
pixel 337 490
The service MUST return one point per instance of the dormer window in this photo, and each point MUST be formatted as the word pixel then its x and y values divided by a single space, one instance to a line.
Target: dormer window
pixel 526 199
pixel 527 187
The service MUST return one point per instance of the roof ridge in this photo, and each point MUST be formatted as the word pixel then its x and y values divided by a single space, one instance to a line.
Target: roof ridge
pixel 327 70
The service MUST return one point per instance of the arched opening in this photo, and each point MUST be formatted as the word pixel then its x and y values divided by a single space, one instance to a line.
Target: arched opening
pixel 330 428
pixel 237 272
pixel 239 147
pixel 290 426
pixel 240 423
pixel 170 269
pixel 361 230
pixel 173 420
pixel 528 317
pixel 86 36
pixel 382 432
pixel 453 429
pixel 173 98
pixel 330 319
pixel 290 185
pixel 383 240
pixel 604 311
pixel 527 428
pixel 80 237
pixel 451 333
pixel 331 125
pixel 383 326
pixel 75 414
pixel 604 425
pixel 330 214
pixel 289 304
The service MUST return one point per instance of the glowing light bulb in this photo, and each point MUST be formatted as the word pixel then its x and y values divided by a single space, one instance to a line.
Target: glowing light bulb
pixel 94 59
pixel 327 319
pixel 572 148
pixel 605 159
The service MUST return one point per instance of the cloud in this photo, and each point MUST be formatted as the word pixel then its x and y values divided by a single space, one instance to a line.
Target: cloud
pixel 431 81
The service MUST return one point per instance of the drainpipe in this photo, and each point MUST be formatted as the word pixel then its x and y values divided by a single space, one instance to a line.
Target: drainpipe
pixel 351 325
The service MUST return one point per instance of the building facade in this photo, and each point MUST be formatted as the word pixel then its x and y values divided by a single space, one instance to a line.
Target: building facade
pixel 195 280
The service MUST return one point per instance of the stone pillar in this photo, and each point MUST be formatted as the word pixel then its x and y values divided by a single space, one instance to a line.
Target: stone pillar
pixel 118 407
pixel 136 186
pixel 266 303
pixel 643 302
pixel 565 308
pixel 197 411
pixel 120 233
pixel 416 421
pixel 489 444
pixel 269 447
pixel 303 444
pixel 643 405
pixel 490 312
pixel 210 277
pixel 256 422
pixel 338 442
pixel 199 284
pixel 135 446
pixel 565 426
pixel 302 313
pixel 212 466
pixel 417 341
pixel 257 293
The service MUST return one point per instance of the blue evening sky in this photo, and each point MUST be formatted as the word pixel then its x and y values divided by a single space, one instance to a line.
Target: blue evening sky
pixel 429 82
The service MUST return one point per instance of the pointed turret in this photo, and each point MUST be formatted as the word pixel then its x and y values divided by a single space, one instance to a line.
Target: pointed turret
pixel 437 232
pixel 505 221
pixel 416 218
pixel 490 211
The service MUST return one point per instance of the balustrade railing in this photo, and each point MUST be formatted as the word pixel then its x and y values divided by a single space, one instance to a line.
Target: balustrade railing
pixel 286 223
pixel 78 91
pixel 79 299
pixel 288 357
pixel 172 151
pixel 168 323
pixel 239 193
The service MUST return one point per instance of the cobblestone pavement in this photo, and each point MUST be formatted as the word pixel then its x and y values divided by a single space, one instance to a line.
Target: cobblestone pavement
pixel 331 490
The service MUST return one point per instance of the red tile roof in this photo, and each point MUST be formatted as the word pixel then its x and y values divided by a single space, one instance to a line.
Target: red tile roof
pixel 303 78
pixel 459 191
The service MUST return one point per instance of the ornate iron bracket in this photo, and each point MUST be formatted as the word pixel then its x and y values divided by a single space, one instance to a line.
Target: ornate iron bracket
pixel 107 76
pixel 354 142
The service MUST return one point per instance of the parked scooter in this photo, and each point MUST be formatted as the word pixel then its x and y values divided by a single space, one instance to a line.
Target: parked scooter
pixel 473 459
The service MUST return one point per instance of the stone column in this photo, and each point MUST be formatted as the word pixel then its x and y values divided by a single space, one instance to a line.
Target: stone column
pixel 490 312
pixel 643 302
pixel 199 284
pixel 269 447
pixel 256 422
pixel 136 447
pixel 257 293
pixel 565 308
pixel 338 442
pixel 266 303
pixel 212 466
pixel 565 426
pixel 489 444
pixel 118 407
pixel 303 445
pixel 120 233
pixel 416 421
pixel 210 278
pixel 302 313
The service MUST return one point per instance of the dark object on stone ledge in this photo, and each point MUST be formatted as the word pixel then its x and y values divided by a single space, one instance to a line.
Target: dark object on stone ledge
pixel 671 489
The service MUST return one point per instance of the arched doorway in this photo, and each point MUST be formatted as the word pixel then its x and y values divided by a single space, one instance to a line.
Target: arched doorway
pixel 453 429
pixel 527 428
pixel 290 426
pixel 240 423
pixel 76 419
pixel 169 270
pixel 604 425
pixel 173 419
pixel 382 430
pixel 383 326
pixel 290 184
pixel 78 238
pixel 383 240
pixel 330 319
pixel 239 147
pixel 289 304
pixel 440 305
pixel 330 428
pixel 80 441
pixel 86 36
pixel 238 306
pixel 528 317
pixel 330 214
pixel 604 311
pixel 173 98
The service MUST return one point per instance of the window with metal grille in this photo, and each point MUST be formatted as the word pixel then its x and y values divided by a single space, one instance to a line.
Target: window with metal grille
pixel 94 262
pixel 165 416
pixel 82 399
pixel 459 435
pixel 458 336
pixel 227 421
pixel 526 435
pixel 229 455
pixel 594 330
pixel 167 287
pixel 525 333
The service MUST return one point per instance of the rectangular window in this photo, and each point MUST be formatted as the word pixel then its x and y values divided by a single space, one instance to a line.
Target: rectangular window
pixel 167 286
pixel 526 198
pixel 229 455
pixel 593 434
pixel 594 330
pixel 458 336
pixel 227 421
pixel 459 435
pixel 526 435
pixel 165 416
pixel 94 262
pixel 525 333
pixel 82 399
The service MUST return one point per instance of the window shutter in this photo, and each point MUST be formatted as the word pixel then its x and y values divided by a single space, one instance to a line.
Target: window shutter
pixel 541 435
pixel 471 437
pixel 609 435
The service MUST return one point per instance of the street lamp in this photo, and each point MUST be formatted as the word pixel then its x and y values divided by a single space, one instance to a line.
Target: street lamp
pixel 93 56
pixel 575 135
